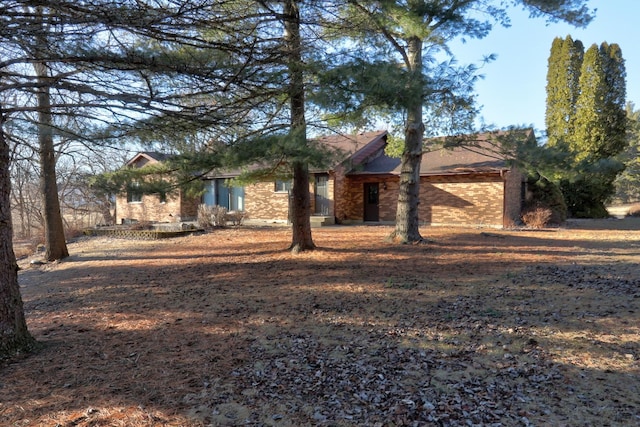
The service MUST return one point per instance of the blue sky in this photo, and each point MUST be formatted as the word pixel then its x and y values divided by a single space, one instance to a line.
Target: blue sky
pixel 513 89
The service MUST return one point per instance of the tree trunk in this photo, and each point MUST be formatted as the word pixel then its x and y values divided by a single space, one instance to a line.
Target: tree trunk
pixel 14 336
pixel 301 225
pixel 407 219
pixel 301 222
pixel 105 211
pixel 54 240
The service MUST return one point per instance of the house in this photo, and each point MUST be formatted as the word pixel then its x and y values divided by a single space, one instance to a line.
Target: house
pixel 133 206
pixel 471 184
pixel 268 202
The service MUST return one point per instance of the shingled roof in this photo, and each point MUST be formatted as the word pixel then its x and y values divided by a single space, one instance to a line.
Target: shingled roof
pixel 469 154
pixel 356 148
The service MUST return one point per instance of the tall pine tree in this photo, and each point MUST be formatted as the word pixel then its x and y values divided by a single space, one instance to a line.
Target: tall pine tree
pixel 400 37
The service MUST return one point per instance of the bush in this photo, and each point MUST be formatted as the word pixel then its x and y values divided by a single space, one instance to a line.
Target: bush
pixel 212 216
pixel 236 217
pixel 546 195
pixel 72 233
pixel 537 218
pixel 634 210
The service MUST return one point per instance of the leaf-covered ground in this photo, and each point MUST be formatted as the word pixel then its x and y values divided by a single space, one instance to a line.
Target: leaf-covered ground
pixel 477 327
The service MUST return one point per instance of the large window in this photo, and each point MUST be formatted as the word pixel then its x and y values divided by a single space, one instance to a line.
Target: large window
pixel 218 192
pixel 283 186
pixel 134 195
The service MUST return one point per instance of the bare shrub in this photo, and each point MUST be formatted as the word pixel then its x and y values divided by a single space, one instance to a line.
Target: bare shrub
pixel 24 248
pixel 72 232
pixel 634 210
pixel 537 217
pixel 212 216
pixel 236 217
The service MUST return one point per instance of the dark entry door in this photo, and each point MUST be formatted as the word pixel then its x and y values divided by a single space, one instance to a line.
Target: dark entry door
pixel 371 201
pixel 322 195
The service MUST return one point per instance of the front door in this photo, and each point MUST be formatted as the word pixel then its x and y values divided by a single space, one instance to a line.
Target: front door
pixel 322 195
pixel 371 201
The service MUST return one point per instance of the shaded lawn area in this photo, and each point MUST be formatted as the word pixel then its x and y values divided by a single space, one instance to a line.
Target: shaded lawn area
pixel 478 327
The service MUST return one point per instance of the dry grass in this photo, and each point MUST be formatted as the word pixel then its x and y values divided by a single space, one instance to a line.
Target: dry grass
pixel 227 328
pixel 23 248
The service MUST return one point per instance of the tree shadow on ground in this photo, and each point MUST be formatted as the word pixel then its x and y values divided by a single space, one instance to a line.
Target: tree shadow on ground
pixel 357 333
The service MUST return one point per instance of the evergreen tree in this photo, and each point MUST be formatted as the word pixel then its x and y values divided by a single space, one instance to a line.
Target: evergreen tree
pixel 399 37
pixel 600 118
pixel 130 66
pixel 614 105
pixel 628 182
pixel 590 131
pixel 586 121
pixel 563 76
pixel 301 222
pixel 14 336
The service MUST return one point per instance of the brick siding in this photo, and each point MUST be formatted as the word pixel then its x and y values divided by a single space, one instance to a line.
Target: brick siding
pixel 262 202
pixel 176 208
pixel 461 201
pixel 481 199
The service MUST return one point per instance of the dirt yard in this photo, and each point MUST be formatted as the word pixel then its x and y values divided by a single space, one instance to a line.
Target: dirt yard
pixel 477 327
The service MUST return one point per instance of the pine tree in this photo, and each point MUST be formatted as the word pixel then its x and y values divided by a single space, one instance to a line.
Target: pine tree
pixel 398 37
pixel 14 336
pixel 301 223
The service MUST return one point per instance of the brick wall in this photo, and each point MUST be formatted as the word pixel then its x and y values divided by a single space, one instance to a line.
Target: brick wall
pixel 261 201
pixel 352 201
pixel 444 200
pixel 175 209
pixel 462 200
pixel 340 194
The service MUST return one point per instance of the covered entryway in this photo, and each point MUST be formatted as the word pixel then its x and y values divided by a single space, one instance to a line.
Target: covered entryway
pixel 371 201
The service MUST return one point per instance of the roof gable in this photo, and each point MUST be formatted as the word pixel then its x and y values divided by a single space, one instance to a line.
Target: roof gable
pixel 144 158
pixel 356 149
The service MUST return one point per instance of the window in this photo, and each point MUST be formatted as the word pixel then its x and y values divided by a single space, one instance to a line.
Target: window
pixel 283 186
pixel 217 192
pixel 162 197
pixel 133 193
